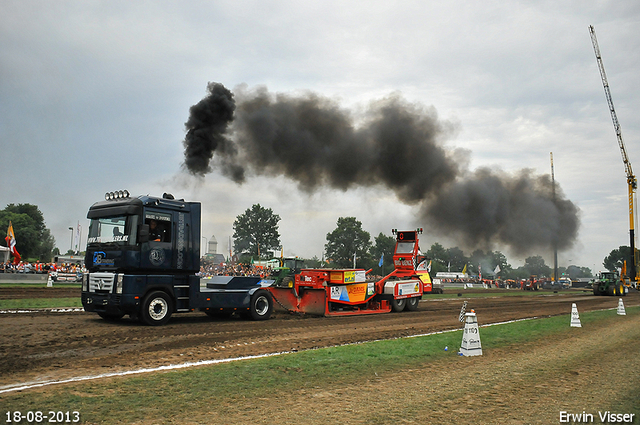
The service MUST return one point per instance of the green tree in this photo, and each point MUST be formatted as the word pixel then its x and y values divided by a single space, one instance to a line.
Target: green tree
pixel 456 257
pixel 348 238
pixel 437 254
pixel 383 244
pixel 33 238
pixel 313 262
pixel 535 265
pixel 616 258
pixel 576 272
pixel 255 232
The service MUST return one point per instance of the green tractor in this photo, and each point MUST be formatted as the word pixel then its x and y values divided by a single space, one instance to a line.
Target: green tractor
pixel 609 283
pixel 284 275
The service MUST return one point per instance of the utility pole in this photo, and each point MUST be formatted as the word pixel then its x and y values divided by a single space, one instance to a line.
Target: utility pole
pixel 555 238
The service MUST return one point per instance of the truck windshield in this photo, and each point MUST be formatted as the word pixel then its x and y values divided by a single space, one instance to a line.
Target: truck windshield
pixel 113 230
pixel 405 247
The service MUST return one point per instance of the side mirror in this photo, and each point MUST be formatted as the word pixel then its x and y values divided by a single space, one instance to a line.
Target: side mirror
pixel 143 233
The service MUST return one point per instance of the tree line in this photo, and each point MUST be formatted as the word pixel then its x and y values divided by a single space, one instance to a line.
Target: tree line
pixel 256 236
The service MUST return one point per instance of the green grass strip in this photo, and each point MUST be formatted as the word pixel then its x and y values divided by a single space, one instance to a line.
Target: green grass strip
pixel 17 285
pixel 25 304
pixel 450 293
pixel 141 397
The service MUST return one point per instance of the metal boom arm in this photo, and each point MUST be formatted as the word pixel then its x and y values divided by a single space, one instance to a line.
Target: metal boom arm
pixel 631 178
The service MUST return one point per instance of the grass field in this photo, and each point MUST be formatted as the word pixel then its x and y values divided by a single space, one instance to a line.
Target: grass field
pixel 21 304
pixel 189 393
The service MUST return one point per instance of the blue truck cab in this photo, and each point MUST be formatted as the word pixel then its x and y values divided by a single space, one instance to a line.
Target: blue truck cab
pixel 143 256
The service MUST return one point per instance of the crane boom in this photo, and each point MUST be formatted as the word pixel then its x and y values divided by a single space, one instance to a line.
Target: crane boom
pixel 631 178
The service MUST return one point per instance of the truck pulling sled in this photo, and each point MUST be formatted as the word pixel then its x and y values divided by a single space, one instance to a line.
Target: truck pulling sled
pixel 343 292
pixel 143 258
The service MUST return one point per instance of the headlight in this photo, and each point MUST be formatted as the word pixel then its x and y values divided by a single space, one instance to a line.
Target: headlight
pixel 119 283
pixel 85 282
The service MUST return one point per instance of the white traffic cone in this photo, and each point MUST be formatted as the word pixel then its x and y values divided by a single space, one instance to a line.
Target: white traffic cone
pixel 621 310
pixel 575 317
pixel 471 336
pixel 49 281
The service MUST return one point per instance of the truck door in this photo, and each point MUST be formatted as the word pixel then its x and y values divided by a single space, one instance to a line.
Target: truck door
pixel 157 253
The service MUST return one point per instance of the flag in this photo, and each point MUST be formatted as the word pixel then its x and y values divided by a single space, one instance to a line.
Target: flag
pixel 78 232
pixel 354 260
pixel 464 270
pixel 11 243
pixel 381 262
pixel 497 269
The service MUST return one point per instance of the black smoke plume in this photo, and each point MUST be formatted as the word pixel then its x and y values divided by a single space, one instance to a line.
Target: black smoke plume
pixel 395 144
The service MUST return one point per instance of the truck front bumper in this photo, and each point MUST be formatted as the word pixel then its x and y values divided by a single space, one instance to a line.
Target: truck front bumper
pixel 109 303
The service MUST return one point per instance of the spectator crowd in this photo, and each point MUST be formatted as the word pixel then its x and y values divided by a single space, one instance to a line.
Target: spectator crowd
pixel 40 268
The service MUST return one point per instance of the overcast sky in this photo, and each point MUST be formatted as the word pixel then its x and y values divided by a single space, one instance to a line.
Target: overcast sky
pixel 94 96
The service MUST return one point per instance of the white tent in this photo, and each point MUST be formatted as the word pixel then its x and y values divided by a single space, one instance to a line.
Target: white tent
pixel 5 253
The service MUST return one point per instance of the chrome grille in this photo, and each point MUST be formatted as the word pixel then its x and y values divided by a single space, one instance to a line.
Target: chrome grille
pixel 101 282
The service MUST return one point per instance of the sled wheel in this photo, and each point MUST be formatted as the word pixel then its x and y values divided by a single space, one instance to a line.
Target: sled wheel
pixel 156 309
pixel 398 305
pixel 412 304
pixel 261 305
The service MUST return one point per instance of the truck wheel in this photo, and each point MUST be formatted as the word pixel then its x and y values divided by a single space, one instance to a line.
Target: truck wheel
pixel 156 309
pixel 398 305
pixel 412 303
pixel 261 305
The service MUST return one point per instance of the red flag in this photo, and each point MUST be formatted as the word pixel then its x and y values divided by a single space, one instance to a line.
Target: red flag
pixel 11 243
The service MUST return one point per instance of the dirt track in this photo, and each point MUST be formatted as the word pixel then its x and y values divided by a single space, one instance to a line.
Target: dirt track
pixel 48 345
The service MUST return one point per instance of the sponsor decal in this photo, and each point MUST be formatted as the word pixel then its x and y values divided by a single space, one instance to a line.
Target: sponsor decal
pixel 349 277
pixel 156 256
pixel 371 289
pixel 408 288
pixel 99 257
pixel 357 292
pixel 101 239
pixel 181 241
pixel 157 217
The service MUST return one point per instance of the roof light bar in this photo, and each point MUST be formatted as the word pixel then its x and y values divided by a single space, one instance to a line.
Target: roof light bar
pixel 118 194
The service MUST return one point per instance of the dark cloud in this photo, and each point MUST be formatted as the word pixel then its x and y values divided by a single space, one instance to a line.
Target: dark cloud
pixel 395 144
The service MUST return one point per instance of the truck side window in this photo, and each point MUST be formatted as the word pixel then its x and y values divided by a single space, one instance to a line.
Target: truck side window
pixel 159 228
